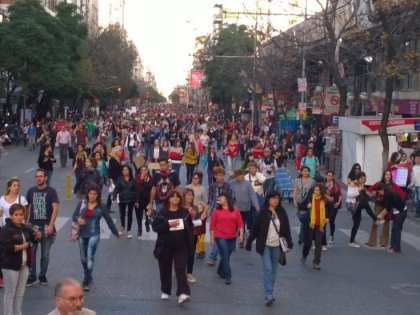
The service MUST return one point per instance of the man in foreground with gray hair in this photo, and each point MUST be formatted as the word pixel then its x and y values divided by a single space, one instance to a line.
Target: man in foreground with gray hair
pixel 69 299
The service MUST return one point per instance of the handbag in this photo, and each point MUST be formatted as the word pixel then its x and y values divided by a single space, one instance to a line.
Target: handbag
pixel 352 207
pixel 75 227
pixel 282 257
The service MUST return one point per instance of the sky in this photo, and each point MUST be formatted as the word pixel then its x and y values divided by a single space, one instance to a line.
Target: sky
pixel 164 31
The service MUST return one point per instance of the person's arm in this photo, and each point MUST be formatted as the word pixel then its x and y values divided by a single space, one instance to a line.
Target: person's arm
pixel 50 228
pixel 152 198
pixel 109 222
pixel 253 195
pixel 295 194
pixel 213 222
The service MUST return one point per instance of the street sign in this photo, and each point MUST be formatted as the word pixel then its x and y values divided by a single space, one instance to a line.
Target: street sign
pixel 335 100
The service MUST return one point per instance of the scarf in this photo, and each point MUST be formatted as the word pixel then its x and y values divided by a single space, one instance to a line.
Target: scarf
pixel 321 212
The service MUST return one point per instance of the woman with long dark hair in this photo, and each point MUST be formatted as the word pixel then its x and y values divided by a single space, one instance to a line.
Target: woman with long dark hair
pixel 334 197
pixel 88 176
pixel 271 224
pixel 313 229
pixel 144 186
pixel 88 214
pixel 126 191
pixel 173 246
pixel 387 181
pixel 46 161
pixel 225 223
pixel 355 169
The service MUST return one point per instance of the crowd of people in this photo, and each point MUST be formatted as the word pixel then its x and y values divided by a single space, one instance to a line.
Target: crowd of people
pixel 136 162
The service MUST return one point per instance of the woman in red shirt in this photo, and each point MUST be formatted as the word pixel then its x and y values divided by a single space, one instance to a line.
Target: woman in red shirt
pixel 232 151
pixel 224 225
pixel 314 229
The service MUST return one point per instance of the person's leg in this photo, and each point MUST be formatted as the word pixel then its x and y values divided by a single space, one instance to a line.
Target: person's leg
pixel 306 238
pixel 165 270
pixel 46 242
pixel 90 257
pixel 244 215
pixel 65 150
pixel 20 290
pixel 318 234
pixel 397 226
pixel 32 269
pixel 191 257
pixel 214 252
pixel 139 219
pixel 333 215
pixel 357 217
pixel 383 240
pixel 122 207
pixel 129 215
pixel 180 263
pixel 417 200
pixel 222 269
pixel 372 241
pixel 10 285
pixel 83 246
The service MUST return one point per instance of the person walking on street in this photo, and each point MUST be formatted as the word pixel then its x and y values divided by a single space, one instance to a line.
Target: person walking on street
pixel 125 189
pixel 63 141
pixel 173 225
pixel 162 182
pixel 144 186
pixel 271 224
pixel 15 239
pixel 415 183
pixel 217 188
pixel 46 161
pixel 43 211
pixel 88 214
pixel 225 223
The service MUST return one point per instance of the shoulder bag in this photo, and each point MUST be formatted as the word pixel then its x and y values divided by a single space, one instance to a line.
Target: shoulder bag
pixel 282 257
pixel 75 227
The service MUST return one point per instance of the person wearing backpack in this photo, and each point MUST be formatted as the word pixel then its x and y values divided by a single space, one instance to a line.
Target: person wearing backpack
pixel 312 162
pixel 162 182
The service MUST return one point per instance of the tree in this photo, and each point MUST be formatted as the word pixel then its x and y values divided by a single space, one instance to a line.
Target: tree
pixel 399 23
pixel 41 53
pixel 223 62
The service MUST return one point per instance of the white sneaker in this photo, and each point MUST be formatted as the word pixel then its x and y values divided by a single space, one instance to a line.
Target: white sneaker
pixel 354 245
pixel 324 248
pixel 164 296
pixel 183 298
pixel 129 236
pixel 121 232
pixel 331 241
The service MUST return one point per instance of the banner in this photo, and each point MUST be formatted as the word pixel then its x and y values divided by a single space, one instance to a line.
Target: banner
pixel 195 79
pixel 302 85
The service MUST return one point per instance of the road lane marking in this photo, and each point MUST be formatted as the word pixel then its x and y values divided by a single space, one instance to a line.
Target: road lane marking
pixel 411 240
pixel 105 231
pixel 30 170
pixel 60 222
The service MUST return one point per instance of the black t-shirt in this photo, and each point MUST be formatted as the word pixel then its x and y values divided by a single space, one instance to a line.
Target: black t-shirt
pixel 178 238
pixel 40 204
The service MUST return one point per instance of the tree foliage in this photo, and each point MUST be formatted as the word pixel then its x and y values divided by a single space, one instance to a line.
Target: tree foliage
pixel 225 64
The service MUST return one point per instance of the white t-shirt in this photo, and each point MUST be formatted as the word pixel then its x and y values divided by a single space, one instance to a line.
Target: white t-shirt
pixel 6 206
pixel 257 182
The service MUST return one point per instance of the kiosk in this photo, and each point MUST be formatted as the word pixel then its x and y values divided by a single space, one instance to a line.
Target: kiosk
pixel 362 144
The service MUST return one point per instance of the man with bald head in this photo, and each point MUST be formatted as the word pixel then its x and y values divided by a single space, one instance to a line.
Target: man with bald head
pixel 69 299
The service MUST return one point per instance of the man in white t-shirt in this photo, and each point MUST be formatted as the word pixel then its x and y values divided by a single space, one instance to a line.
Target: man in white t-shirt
pixel 205 139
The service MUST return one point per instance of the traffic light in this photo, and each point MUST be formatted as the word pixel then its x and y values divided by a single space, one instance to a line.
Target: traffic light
pixel 119 90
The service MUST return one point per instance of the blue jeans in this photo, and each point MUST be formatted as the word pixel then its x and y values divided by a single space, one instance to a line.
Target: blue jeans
pixel 45 243
pixel 214 252
pixel 176 167
pixel 417 199
pixel 88 248
pixel 226 247
pixel 270 260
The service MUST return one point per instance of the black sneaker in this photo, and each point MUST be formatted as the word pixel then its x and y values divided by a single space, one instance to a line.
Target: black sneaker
pixel 86 285
pixel 30 282
pixel 43 280
pixel 228 282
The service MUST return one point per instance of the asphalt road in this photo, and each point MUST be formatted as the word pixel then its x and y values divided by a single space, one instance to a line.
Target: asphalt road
pixel 352 281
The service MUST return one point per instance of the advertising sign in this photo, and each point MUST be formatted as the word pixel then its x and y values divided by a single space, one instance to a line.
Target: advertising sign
pixel 302 85
pixel 195 79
